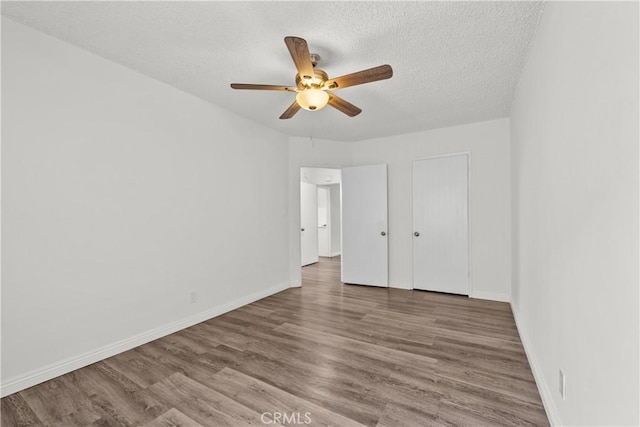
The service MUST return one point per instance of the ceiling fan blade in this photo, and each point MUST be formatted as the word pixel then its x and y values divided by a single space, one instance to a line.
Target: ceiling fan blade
pixel 374 74
pixel 341 105
pixel 301 58
pixel 262 87
pixel 291 111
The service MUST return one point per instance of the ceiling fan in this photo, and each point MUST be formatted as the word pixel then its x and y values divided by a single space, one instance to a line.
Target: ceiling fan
pixel 313 85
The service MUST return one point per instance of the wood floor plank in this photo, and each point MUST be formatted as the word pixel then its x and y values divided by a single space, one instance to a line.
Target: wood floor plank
pixel 394 328
pixel 497 381
pixel 467 414
pixel 382 365
pixel 484 358
pixel 466 403
pixel 400 319
pixel 372 350
pixel 501 343
pixel 217 333
pixel 322 375
pixel 402 415
pixel 184 341
pixel 326 308
pixel 181 360
pixel 115 404
pixel 60 401
pixel 134 393
pixel 264 398
pixel 173 418
pixel 17 412
pixel 297 369
pixel 201 403
pixel 138 367
pixel 347 354
pixel 358 330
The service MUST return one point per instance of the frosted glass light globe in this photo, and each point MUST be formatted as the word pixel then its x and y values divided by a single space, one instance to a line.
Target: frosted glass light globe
pixel 312 99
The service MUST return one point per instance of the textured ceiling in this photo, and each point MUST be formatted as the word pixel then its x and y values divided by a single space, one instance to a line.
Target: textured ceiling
pixel 453 62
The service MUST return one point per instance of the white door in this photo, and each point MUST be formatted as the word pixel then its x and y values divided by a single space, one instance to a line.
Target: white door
pixel 364 225
pixel 308 223
pixel 324 222
pixel 440 224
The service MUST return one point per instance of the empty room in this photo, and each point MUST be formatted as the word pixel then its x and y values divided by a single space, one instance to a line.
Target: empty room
pixel 368 213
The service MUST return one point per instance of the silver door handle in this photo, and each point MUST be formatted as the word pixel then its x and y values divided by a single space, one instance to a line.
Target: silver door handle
pixel 382 233
pixel 416 234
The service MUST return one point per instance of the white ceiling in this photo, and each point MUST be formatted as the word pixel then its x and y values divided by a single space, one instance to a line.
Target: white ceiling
pixel 453 62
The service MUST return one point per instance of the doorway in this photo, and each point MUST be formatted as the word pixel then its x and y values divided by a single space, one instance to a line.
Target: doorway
pixel 344 213
pixel 320 215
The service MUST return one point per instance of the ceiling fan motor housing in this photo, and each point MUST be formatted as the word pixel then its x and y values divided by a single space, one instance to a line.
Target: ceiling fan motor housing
pixel 316 81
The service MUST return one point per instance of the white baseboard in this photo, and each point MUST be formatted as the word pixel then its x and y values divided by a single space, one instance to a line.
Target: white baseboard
pixel 37 376
pixel 336 254
pixel 493 296
pixel 543 387
pixel 295 283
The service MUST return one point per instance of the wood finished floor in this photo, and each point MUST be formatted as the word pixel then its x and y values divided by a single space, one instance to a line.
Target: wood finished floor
pixel 344 354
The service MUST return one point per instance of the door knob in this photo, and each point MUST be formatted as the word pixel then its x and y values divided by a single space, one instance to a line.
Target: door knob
pixel 382 233
pixel 416 234
pixel 302 229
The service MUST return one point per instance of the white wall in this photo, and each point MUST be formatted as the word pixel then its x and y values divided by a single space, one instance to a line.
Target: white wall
pixel 575 211
pixel 316 153
pixel 321 176
pixel 116 205
pixel 488 145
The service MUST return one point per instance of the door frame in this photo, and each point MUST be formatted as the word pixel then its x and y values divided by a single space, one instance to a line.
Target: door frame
pixel 469 213
pixel 298 213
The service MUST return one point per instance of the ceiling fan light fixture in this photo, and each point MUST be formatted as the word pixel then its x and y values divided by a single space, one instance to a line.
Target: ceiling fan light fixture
pixel 312 99
pixel 312 83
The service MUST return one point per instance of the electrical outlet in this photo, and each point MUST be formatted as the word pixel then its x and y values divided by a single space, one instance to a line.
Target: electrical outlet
pixel 193 297
pixel 562 384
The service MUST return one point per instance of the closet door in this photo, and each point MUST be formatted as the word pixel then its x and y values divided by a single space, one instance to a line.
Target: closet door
pixel 440 224
pixel 364 225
